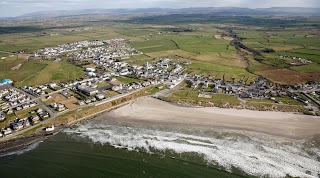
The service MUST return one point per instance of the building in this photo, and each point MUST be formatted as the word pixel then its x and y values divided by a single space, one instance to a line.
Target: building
pixel 7 131
pixel 53 85
pixel 43 115
pixel 61 107
pixel 49 129
pixel 92 74
pixel 100 96
pixel 90 70
pixel 34 119
pixel 88 90
pixel 2 117
pixel 16 125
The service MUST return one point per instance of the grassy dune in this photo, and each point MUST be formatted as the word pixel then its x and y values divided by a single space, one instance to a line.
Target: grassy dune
pixel 191 97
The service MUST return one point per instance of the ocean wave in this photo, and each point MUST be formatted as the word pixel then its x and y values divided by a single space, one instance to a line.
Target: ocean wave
pixel 22 150
pixel 255 155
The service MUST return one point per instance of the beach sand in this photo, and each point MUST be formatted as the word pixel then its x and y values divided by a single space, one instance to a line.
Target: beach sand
pixel 287 125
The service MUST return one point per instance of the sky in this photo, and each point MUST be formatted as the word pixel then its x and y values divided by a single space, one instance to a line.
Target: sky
pixel 11 8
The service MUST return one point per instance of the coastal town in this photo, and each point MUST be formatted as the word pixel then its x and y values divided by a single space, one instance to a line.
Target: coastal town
pixel 109 76
pixel 160 88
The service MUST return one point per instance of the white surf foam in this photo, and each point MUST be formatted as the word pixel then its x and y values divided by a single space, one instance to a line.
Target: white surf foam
pixel 21 151
pixel 256 155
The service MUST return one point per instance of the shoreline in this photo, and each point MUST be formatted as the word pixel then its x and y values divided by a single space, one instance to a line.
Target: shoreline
pixel 147 115
pixel 289 125
pixel 25 141
pixel 97 114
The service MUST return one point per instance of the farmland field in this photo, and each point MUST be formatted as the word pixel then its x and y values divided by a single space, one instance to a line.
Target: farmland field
pixel 307 68
pixel 149 46
pixel 202 44
pixel 217 71
pixel 207 45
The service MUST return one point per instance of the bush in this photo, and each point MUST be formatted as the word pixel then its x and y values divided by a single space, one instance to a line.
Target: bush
pixel 268 50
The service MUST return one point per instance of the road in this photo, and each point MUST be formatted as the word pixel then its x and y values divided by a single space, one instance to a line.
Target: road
pixel 14 53
pixel 33 98
pixel 37 100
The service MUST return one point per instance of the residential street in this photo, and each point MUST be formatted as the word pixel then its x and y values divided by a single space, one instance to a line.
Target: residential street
pixel 54 115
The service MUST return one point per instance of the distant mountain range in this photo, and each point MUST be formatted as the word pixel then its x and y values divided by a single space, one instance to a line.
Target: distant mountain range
pixel 291 11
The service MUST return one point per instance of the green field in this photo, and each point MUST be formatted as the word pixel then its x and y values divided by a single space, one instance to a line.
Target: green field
pixel 154 45
pixel 289 101
pixel 159 36
pixel 266 101
pixel 3 54
pixel 35 72
pixel 307 68
pixel 293 42
pixel 202 44
pixel 192 97
pixel 128 80
pixel 216 71
pixel 136 57
pixel 307 51
pixel 55 71
pixel 26 71
pixel 31 41
pixel 311 57
pixel 111 93
pixel 135 32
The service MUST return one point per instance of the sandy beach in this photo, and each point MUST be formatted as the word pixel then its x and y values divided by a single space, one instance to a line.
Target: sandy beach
pixel 288 125
pixel 262 144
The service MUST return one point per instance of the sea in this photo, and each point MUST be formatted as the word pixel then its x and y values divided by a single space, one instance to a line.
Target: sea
pixel 111 147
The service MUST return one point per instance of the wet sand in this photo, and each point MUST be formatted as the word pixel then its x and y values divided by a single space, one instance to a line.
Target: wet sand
pixel 288 125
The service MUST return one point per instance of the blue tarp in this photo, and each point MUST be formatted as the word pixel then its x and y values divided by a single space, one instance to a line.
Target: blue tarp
pixel 5 81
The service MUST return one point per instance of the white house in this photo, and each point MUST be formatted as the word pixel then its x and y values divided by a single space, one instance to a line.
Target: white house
pixel 90 70
pixel 50 129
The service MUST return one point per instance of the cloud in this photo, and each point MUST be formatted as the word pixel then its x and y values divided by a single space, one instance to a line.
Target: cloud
pixel 19 7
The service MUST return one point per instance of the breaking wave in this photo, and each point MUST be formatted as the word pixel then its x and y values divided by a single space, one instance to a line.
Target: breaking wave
pixel 258 155
pixel 22 150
